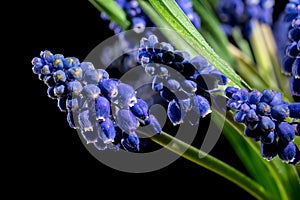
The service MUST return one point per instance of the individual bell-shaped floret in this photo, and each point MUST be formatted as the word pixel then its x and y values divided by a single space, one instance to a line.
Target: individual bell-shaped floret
pixel 189 86
pixel 251 116
pixel 267 96
pixel 47 56
pixel 59 76
pixel 254 97
pixel 58 62
pixel 91 91
pixel 201 105
pixel 286 151
pixel 174 113
pixel 277 99
pixel 60 90
pixel 75 73
pixel 266 124
pixel 230 90
pixel 263 109
pixel 91 76
pixel 294 109
pixel 70 62
pixel 86 66
pixel 108 88
pixel 46 70
pixel 285 131
pixel 103 75
pixel 84 121
pixel 75 87
pixel 295 86
pixel 239 116
pixel 269 151
pixel 107 131
pixel 131 142
pixel 140 109
pixel 126 121
pixel 280 112
pixel 102 108
pixel 125 97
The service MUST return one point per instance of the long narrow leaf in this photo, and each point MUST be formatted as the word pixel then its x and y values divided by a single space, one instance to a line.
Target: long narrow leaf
pixel 211 163
pixel 113 11
pixel 180 23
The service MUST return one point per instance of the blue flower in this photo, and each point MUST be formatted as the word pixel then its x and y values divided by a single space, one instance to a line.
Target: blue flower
pixel 285 131
pixel 140 109
pixel 127 121
pixel 290 64
pixel 265 114
pixel 131 142
pixel 240 13
pixel 102 108
pixel 108 132
pixel 181 81
pixel 87 94
pixel 294 110
pixel 174 113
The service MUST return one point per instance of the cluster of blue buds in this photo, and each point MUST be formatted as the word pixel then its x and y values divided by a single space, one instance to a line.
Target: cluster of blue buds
pixel 105 110
pixel 186 84
pixel 268 119
pixel 239 13
pixel 139 20
pixel 291 62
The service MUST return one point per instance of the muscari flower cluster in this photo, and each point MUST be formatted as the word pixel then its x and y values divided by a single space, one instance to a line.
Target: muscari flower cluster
pixel 268 119
pixel 291 62
pixel 105 110
pixel 139 20
pixel 240 13
pixel 185 83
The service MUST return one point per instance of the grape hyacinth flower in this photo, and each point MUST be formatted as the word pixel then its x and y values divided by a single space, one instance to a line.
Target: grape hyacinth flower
pixel 291 61
pixel 105 110
pixel 240 13
pixel 183 82
pixel 267 119
pixel 139 20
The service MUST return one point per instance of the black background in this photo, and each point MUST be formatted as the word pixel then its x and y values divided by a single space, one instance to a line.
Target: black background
pixel 51 159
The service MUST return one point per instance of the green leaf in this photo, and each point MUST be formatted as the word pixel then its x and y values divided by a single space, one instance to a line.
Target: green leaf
pixel 245 66
pixel 180 23
pixel 113 11
pixel 262 171
pixel 209 162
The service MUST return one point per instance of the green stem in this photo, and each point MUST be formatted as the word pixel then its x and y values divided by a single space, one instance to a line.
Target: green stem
pixel 211 163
